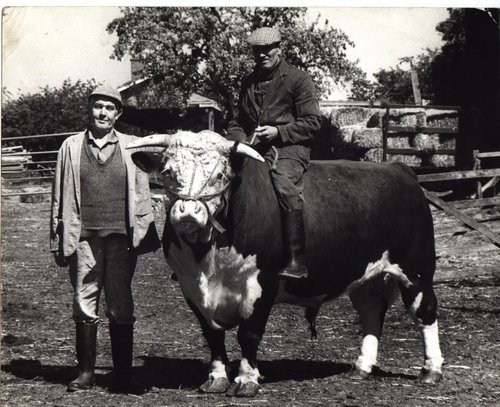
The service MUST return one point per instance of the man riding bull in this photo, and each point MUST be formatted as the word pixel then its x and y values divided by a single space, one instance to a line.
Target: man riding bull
pixel 278 109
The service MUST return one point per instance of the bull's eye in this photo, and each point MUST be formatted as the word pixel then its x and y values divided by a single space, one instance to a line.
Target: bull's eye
pixel 218 177
pixel 167 173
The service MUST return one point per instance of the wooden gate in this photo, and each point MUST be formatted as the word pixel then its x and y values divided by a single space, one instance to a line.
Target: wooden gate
pixel 485 180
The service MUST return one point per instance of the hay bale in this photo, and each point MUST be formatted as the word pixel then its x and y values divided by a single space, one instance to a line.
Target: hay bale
pixel 345 133
pixel 346 116
pixel 326 111
pixel 442 118
pixel 376 119
pixel 367 138
pixel 410 160
pixel 374 154
pixel 442 161
pixel 423 117
pixel 399 141
pixel 406 117
pixel 426 142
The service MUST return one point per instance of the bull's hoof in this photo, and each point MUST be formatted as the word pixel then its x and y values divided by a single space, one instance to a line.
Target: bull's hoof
pixel 249 389
pixel 358 374
pixel 429 376
pixel 219 385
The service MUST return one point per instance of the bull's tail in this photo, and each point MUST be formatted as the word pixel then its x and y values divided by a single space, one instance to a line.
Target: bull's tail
pixel 311 314
pixel 384 266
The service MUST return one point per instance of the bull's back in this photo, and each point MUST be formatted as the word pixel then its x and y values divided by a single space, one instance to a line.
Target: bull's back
pixel 354 211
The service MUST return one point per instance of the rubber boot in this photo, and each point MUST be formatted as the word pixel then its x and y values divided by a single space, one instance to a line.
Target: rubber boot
pixel 85 353
pixel 122 344
pixel 295 241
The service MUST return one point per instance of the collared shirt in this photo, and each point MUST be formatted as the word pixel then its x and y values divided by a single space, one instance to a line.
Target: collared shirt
pixel 102 148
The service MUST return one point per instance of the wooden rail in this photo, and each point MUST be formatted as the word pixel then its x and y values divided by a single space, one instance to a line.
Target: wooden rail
pixel 393 131
pixel 467 220
pixel 423 130
pixel 38 136
pixel 458 175
pixel 477 200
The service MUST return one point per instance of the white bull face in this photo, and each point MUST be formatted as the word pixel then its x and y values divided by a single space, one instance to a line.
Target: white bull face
pixel 196 180
pixel 196 173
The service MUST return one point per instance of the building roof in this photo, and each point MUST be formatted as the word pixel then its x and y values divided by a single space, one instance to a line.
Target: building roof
pixel 131 89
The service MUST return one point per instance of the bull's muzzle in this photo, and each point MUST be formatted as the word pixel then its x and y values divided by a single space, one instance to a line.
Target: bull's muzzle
pixel 188 216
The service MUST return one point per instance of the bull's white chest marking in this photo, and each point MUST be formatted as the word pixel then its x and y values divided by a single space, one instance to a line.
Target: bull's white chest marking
pixel 223 285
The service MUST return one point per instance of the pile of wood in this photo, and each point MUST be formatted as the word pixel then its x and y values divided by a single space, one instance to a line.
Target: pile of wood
pixel 15 161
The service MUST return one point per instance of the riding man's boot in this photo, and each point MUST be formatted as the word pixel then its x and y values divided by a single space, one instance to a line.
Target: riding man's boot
pixel 85 353
pixel 122 343
pixel 295 242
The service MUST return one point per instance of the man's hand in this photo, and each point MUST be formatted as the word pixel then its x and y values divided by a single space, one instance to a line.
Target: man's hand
pixel 266 133
pixel 60 259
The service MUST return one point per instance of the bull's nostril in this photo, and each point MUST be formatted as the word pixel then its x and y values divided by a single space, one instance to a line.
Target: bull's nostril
pixel 182 207
pixel 197 208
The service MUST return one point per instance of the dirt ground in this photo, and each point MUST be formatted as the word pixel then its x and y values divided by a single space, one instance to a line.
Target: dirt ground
pixel 38 359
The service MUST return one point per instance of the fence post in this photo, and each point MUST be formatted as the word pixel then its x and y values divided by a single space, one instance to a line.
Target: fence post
pixel 385 131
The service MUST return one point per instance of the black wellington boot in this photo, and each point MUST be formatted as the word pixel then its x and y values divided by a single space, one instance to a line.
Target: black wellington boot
pixel 122 344
pixel 85 353
pixel 295 241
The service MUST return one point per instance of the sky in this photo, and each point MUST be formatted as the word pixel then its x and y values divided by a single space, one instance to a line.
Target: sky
pixel 45 45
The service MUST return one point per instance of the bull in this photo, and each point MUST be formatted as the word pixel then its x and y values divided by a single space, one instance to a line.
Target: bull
pixel 369 233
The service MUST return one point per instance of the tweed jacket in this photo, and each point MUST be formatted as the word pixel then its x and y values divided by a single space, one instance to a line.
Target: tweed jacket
pixel 290 104
pixel 65 219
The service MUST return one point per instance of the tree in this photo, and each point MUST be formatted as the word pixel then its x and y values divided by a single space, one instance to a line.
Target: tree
pixel 466 72
pixel 394 84
pixel 467 69
pixel 52 110
pixel 186 50
pixel 361 87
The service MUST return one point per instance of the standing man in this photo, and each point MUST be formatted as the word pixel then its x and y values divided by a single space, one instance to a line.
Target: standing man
pixel 278 107
pixel 101 219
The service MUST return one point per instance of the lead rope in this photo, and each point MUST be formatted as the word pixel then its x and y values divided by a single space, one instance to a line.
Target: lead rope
pixel 274 165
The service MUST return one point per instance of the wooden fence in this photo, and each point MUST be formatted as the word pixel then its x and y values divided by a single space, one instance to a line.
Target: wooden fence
pixel 392 131
pixel 20 166
pixel 485 180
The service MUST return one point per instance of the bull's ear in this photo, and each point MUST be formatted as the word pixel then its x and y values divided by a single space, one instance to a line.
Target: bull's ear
pixel 147 160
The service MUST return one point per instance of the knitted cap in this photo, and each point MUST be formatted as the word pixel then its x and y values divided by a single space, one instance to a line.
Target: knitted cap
pixel 264 36
pixel 109 92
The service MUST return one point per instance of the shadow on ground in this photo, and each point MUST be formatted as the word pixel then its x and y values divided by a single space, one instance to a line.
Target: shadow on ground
pixel 174 373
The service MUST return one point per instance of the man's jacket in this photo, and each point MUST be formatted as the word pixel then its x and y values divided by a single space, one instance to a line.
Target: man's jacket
pixel 290 104
pixel 65 220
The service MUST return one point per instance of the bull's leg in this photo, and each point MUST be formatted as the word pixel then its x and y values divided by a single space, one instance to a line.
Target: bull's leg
pixel 217 378
pixel 371 309
pixel 421 304
pixel 250 332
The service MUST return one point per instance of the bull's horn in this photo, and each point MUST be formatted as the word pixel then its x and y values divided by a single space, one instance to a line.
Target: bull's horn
pixel 240 148
pixel 154 140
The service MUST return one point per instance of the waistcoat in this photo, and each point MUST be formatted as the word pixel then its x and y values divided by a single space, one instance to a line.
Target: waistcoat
pixel 103 193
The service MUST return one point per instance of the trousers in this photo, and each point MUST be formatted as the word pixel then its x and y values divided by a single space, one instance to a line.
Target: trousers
pixel 103 262
pixel 287 178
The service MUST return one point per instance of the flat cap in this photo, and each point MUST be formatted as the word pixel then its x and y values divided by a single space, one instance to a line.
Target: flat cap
pixel 109 92
pixel 264 36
